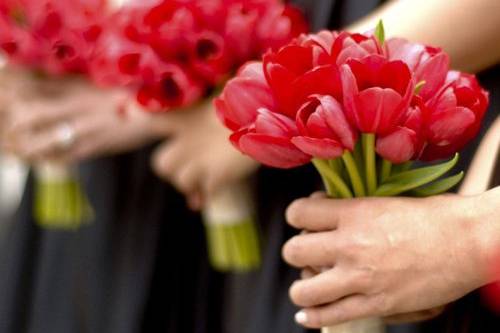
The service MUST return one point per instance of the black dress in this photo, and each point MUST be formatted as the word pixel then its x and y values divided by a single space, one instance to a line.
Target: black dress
pixel 108 276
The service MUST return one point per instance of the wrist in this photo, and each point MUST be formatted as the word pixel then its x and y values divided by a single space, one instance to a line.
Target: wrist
pixel 484 210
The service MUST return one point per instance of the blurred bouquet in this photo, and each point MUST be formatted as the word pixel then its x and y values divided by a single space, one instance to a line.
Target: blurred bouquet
pixel 54 38
pixel 363 110
pixel 174 54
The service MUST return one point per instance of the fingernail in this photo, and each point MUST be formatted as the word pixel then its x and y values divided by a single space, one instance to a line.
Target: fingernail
pixel 301 317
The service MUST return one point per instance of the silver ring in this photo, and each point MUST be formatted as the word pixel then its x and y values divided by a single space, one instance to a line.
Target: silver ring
pixel 66 136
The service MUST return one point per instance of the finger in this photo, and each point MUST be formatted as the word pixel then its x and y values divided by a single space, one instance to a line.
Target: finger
pixel 313 249
pixel 167 160
pixel 47 144
pixel 93 138
pixel 195 201
pixel 318 195
pixel 187 178
pixel 327 287
pixel 414 317
pixel 320 214
pixel 31 116
pixel 348 309
pixel 308 273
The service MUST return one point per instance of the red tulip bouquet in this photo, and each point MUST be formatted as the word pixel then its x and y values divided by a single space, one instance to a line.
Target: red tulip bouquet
pixel 174 54
pixel 53 38
pixel 362 109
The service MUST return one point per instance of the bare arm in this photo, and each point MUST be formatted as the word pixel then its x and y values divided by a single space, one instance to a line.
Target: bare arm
pixel 481 169
pixel 469 30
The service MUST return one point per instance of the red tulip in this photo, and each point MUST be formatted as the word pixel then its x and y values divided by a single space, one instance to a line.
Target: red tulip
pixel 268 141
pixel 278 26
pixel 428 64
pixel 377 93
pixel 324 130
pixel 243 96
pixel 299 70
pixel 454 116
pixel 210 58
pixel 491 295
pixel 239 32
pixel 168 86
pixel 354 46
pixel 405 143
pixel 398 146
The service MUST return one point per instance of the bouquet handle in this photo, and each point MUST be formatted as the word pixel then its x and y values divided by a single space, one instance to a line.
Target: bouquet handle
pixel 369 325
pixel 232 235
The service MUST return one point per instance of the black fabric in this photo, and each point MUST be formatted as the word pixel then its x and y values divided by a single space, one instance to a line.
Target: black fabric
pixel 107 277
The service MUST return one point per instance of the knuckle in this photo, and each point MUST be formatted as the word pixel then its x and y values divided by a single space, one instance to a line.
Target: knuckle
pixel 301 295
pixel 365 278
pixel 341 314
pixel 382 304
pixel 292 251
pixel 315 319
pixel 294 213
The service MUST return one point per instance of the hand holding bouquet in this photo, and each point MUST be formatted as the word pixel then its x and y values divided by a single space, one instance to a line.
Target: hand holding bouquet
pixel 174 55
pixel 54 38
pixel 362 109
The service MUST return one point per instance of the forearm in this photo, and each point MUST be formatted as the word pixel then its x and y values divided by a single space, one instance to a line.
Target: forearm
pixel 487 230
pixel 481 169
pixel 469 30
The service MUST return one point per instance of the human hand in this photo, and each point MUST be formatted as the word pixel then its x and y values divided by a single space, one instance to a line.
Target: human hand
pixel 14 84
pixel 398 319
pixel 197 157
pixel 386 256
pixel 71 121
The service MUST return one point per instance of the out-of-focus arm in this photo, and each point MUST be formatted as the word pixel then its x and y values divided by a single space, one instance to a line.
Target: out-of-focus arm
pixel 469 30
pixel 482 167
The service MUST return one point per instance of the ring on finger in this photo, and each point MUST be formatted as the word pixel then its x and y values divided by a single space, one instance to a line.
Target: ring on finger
pixel 66 136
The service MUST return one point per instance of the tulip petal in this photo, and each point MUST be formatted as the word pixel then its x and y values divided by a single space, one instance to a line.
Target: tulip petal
pixel 222 111
pixel 433 72
pixel 449 125
pixel 272 151
pixel 333 113
pixel 321 148
pixel 243 97
pixel 324 80
pixel 275 124
pixel 395 75
pixel 378 110
pixel 399 146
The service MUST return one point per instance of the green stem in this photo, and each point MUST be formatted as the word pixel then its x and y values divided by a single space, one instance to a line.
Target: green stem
pixel 386 170
pixel 326 172
pixel 398 168
pixel 354 175
pixel 370 162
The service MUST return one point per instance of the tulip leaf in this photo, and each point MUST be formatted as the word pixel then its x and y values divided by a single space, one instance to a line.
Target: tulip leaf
pixel 438 187
pixel 398 168
pixel 380 32
pixel 415 178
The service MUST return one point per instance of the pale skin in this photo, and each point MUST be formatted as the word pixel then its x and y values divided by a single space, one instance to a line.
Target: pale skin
pixel 105 122
pixel 197 157
pixel 379 251
pixel 385 280
pixel 466 29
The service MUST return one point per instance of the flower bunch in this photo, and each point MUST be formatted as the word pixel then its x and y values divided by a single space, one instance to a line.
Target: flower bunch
pixel 174 52
pixel 352 103
pixel 52 36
